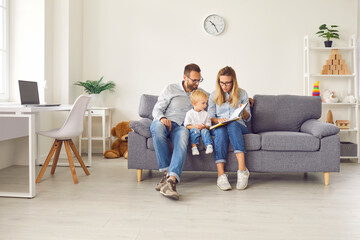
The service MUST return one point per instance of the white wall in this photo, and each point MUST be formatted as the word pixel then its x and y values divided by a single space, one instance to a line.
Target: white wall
pixel 26 62
pixel 26 43
pixel 143 45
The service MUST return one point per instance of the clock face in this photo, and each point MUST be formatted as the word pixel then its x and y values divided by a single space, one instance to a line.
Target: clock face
pixel 214 24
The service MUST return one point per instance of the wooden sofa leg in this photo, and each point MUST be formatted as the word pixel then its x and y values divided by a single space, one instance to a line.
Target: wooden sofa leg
pixel 139 174
pixel 326 178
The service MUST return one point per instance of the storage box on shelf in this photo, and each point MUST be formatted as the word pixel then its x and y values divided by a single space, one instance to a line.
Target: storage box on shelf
pixel 336 69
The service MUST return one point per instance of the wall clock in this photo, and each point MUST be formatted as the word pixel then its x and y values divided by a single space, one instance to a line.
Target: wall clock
pixel 214 24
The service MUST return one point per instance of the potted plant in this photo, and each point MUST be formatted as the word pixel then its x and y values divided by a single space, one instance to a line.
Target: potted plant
pixel 94 88
pixel 328 33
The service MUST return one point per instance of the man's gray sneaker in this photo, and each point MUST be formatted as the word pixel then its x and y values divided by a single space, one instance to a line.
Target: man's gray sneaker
pixel 223 183
pixel 161 183
pixel 169 190
pixel 242 179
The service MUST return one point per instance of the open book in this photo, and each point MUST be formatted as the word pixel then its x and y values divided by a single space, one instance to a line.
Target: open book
pixel 234 117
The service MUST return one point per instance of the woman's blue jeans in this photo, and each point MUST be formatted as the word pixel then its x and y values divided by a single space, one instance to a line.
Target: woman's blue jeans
pixel 179 136
pixel 195 134
pixel 234 132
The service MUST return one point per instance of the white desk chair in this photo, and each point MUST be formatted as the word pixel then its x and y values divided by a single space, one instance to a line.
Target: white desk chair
pixel 73 127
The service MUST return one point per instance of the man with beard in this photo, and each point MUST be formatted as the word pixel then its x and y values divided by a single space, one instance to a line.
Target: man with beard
pixel 169 115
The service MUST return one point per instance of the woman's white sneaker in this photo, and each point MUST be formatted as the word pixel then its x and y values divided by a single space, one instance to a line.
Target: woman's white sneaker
pixel 223 182
pixel 242 179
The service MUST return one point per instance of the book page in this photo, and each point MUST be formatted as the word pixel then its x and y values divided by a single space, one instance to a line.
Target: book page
pixel 234 117
pixel 238 111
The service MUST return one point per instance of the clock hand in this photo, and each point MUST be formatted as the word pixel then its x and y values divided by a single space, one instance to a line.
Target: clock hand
pixel 214 26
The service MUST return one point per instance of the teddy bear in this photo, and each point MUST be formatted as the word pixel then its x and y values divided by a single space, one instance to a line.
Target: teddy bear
pixel 120 146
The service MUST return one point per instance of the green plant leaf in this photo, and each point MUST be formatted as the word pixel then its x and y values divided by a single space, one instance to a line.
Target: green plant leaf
pixel 96 86
pixel 322 27
pixel 327 33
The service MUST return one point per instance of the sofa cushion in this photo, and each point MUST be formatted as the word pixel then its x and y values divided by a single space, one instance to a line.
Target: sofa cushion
pixel 252 143
pixel 289 141
pixel 283 112
pixel 319 129
pixel 147 103
pixel 142 127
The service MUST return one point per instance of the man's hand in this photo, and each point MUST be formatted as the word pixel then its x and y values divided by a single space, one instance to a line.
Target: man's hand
pixel 251 101
pixel 166 122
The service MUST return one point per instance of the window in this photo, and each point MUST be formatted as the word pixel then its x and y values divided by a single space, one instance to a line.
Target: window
pixel 4 50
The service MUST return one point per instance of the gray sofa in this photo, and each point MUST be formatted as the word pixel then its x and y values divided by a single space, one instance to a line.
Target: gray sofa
pixel 284 136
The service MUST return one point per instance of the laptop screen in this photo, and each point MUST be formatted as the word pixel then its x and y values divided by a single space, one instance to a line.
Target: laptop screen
pixel 29 93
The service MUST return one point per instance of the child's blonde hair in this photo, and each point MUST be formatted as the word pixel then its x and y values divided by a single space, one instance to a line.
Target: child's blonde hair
pixel 198 95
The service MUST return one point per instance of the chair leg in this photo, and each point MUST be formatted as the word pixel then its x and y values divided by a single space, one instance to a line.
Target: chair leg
pixel 71 161
pixel 48 158
pixel 72 145
pixel 56 158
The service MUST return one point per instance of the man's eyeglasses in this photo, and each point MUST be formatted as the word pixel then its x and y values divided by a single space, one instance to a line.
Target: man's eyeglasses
pixel 225 83
pixel 196 80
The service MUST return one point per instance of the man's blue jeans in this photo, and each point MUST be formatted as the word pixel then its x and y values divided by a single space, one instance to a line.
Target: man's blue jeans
pixel 233 131
pixel 179 136
pixel 205 135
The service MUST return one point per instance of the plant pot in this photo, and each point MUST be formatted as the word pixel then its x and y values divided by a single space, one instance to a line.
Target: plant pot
pixel 96 100
pixel 328 43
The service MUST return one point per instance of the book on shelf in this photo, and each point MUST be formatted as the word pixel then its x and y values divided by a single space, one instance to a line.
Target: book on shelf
pixel 234 117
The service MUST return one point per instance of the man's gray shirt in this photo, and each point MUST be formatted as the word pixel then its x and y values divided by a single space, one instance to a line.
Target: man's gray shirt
pixel 173 103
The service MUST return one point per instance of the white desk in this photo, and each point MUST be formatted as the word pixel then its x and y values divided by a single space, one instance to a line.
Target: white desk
pixel 19 121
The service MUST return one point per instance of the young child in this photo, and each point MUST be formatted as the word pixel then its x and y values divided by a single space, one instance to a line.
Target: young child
pixel 197 120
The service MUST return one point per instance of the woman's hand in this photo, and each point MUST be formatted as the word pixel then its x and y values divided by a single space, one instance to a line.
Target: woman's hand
pixel 245 115
pixel 220 120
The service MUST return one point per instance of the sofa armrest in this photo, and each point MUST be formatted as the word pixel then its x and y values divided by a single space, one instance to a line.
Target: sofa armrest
pixel 142 127
pixel 319 129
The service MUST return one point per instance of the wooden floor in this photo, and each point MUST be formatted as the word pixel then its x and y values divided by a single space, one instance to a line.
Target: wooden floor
pixel 111 204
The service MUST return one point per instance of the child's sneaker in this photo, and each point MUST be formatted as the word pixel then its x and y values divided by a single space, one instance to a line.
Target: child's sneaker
pixel 242 179
pixel 209 149
pixel 195 151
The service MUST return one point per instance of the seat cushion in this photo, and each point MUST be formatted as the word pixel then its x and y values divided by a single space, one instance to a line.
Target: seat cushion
pixel 252 143
pixel 289 141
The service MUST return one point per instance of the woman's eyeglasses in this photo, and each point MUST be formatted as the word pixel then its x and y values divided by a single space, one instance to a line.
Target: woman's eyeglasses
pixel 225 83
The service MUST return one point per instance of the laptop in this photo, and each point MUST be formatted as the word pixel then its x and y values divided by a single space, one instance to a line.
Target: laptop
pixel 29 94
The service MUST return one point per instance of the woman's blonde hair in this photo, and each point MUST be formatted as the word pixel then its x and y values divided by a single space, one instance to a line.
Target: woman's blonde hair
pixel 198 95
pixel 219 97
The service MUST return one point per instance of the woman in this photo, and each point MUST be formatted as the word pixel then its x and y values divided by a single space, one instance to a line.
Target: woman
pixel 222 102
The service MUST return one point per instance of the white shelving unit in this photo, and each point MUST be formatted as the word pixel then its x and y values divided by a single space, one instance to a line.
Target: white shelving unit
pixel 314 58
pixel 105 114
